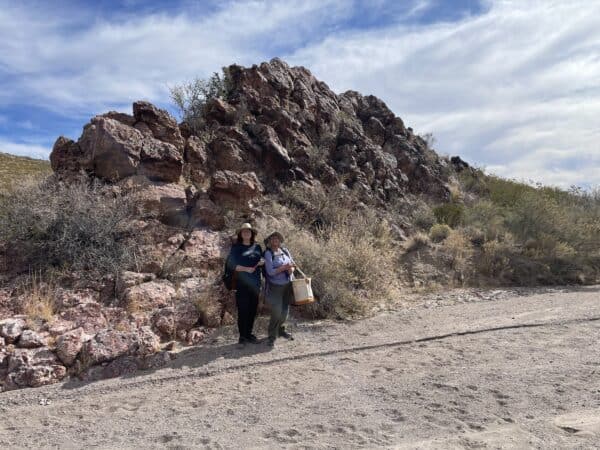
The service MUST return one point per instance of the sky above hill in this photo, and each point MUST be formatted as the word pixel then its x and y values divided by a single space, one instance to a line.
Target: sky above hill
pixel 513 86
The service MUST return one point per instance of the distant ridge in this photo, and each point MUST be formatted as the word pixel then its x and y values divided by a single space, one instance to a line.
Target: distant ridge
pixel 13 168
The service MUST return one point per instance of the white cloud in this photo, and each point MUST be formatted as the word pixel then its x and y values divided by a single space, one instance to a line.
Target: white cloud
pixel 514 89
pixel 20 149
pixel 67 68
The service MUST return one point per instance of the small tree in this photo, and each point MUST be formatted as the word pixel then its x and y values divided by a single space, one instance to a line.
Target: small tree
pixel 191 97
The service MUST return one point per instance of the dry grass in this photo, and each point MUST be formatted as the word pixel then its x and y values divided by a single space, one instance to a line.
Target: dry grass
pixel 39 302
pixel 416 242
pixel 352 263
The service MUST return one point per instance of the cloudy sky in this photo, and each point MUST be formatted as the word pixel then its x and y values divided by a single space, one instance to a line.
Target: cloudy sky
pixel 513 86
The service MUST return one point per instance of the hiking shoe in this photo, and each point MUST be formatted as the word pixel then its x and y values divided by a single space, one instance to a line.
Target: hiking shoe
pixel 242 340
pixel 285 334
pixel 252 339
pixel 271 342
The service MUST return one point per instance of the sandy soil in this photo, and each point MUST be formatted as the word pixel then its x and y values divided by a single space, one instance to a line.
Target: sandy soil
pixel 463 369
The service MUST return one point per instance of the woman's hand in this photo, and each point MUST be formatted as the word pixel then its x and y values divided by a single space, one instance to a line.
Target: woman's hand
pixel 244 269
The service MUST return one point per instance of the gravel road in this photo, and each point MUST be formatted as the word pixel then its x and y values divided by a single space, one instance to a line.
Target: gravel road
pixel 461 369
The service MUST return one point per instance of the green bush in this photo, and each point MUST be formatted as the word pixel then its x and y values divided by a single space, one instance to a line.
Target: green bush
pixel 439 232
pixel 450 214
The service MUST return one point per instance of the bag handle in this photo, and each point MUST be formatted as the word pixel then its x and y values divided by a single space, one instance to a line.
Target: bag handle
pixel 301 273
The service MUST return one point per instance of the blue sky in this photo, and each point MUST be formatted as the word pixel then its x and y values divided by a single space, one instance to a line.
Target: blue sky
pixel 508 85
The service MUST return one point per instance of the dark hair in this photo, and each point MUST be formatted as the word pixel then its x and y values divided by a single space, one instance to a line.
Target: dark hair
pixel 241 241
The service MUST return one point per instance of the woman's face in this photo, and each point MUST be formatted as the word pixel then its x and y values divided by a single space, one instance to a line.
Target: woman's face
pixel 246 235
pixel 275 242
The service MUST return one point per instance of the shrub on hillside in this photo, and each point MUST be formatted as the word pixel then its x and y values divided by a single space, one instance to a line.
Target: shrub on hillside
pixel 450 214
pixel 51 225
pixel 439 232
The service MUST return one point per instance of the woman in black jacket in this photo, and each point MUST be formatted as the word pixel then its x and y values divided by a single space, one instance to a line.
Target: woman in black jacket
pixel 244 260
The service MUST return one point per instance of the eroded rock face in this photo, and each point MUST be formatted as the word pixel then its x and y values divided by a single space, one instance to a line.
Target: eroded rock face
pixel 160 123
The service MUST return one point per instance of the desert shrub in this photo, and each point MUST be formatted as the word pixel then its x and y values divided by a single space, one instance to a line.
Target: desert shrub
pixel 351 264
pixel 487 217
pixel 49 224
pixel 439 232
pixel 416 242
pixel 422 216
pixel 495 260
pixel 458 247
pixel 449 213
pixel 316 206
pixel 191 97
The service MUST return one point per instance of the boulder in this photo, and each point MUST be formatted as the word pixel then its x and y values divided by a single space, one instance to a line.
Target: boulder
pixel 33 368
pixel 11 329
pixel 67 158
pixel 89 316
pixel 274 156
pixel 204 249
pixel 31 339
pixel 149 296
pixel 114 148
pixel 160 161
pixel 218 110
pixel 69 344
pixel 182 317
pixel 227 155
pixel 234 189
pixel 163 126
pixel 166 202
pixel 206 213
pixel 129 279
pixel 110 344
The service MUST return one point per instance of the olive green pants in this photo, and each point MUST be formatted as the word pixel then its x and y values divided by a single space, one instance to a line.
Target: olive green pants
pixel 279 298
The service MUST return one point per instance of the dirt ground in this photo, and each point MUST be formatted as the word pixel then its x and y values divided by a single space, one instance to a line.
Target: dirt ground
pixel 462 369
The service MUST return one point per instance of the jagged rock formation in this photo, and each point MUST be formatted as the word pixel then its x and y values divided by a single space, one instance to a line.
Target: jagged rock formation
pixel 278 125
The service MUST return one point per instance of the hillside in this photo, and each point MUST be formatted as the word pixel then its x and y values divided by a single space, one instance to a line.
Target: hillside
pixel 14 168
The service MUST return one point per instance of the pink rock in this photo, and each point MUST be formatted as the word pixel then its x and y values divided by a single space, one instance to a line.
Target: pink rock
pixel 195 336
pixel 89 316
pixel 35 376
pixel 110 344
pixel 234 189
pixel 59 326
pixel 68 345
pixel 31 339
pixel 170 321
pixel 11 329
pixel 149 296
